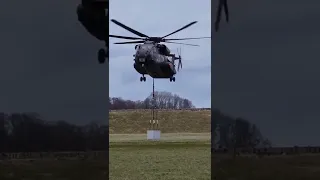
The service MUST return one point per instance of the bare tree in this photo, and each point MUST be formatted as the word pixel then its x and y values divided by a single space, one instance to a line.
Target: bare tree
pixel 161 99
pixel 28 132
pixel 237 132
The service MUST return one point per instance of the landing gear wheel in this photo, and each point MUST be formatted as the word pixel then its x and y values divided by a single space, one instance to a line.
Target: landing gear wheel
pixel 101 56
pixel 172 79
pixel 143 78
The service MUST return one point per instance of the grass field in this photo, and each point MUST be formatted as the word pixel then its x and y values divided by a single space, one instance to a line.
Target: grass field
pixel 303 167
pixel 176 157
pixel 175 121
pixel 53 170
pixel 182 154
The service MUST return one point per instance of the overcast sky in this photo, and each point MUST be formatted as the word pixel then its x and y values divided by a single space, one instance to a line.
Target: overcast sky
pixel 158 18
pixel 265 62
pixel 266 68
pixel 49 64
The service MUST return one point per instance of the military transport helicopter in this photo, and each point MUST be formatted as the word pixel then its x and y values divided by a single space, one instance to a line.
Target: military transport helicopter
pixel 151 57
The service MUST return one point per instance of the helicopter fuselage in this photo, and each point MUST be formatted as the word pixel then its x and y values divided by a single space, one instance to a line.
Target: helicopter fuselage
pixel 153 59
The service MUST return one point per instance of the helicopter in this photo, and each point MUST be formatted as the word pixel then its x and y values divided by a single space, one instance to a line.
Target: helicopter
pixel 152 58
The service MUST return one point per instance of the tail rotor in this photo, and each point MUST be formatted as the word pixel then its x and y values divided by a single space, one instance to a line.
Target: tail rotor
pixel 179 58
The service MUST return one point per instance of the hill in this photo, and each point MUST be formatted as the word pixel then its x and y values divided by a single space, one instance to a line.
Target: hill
pixel 171 121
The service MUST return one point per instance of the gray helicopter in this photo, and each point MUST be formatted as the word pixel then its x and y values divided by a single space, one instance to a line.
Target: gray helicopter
pixel 151 57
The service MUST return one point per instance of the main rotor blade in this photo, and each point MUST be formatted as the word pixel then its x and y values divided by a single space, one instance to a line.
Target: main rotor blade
pixel 130 42
pixel 128 28
pixel 182 43
pixel 187 38
pixel 222 4
pixel 192 23
pixel 226 10
pixel 124 37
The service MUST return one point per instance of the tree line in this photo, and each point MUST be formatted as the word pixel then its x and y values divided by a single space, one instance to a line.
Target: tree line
pixel 161 100
pixel 29 132
pixel 229 132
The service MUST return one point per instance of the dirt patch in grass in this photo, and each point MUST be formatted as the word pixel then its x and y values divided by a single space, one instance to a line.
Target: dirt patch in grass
pixel 171 121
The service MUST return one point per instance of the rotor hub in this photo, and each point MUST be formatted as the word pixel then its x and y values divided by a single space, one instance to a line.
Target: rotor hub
pixel 155 39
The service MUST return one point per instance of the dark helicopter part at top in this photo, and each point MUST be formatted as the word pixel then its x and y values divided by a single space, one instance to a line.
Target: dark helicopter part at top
pixel 93 15
pixel 144 38
pixel 222 4
pixel 104 4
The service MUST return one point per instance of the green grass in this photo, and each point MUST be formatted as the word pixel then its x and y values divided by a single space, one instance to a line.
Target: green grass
pixel 182 154
pixel 167 137
pixel 187 160
pixel 171 121
pixel 302 167
pixel 53 170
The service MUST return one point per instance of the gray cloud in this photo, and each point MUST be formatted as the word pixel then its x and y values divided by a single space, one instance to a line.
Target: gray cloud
pixel 49 64
pixel 265 68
